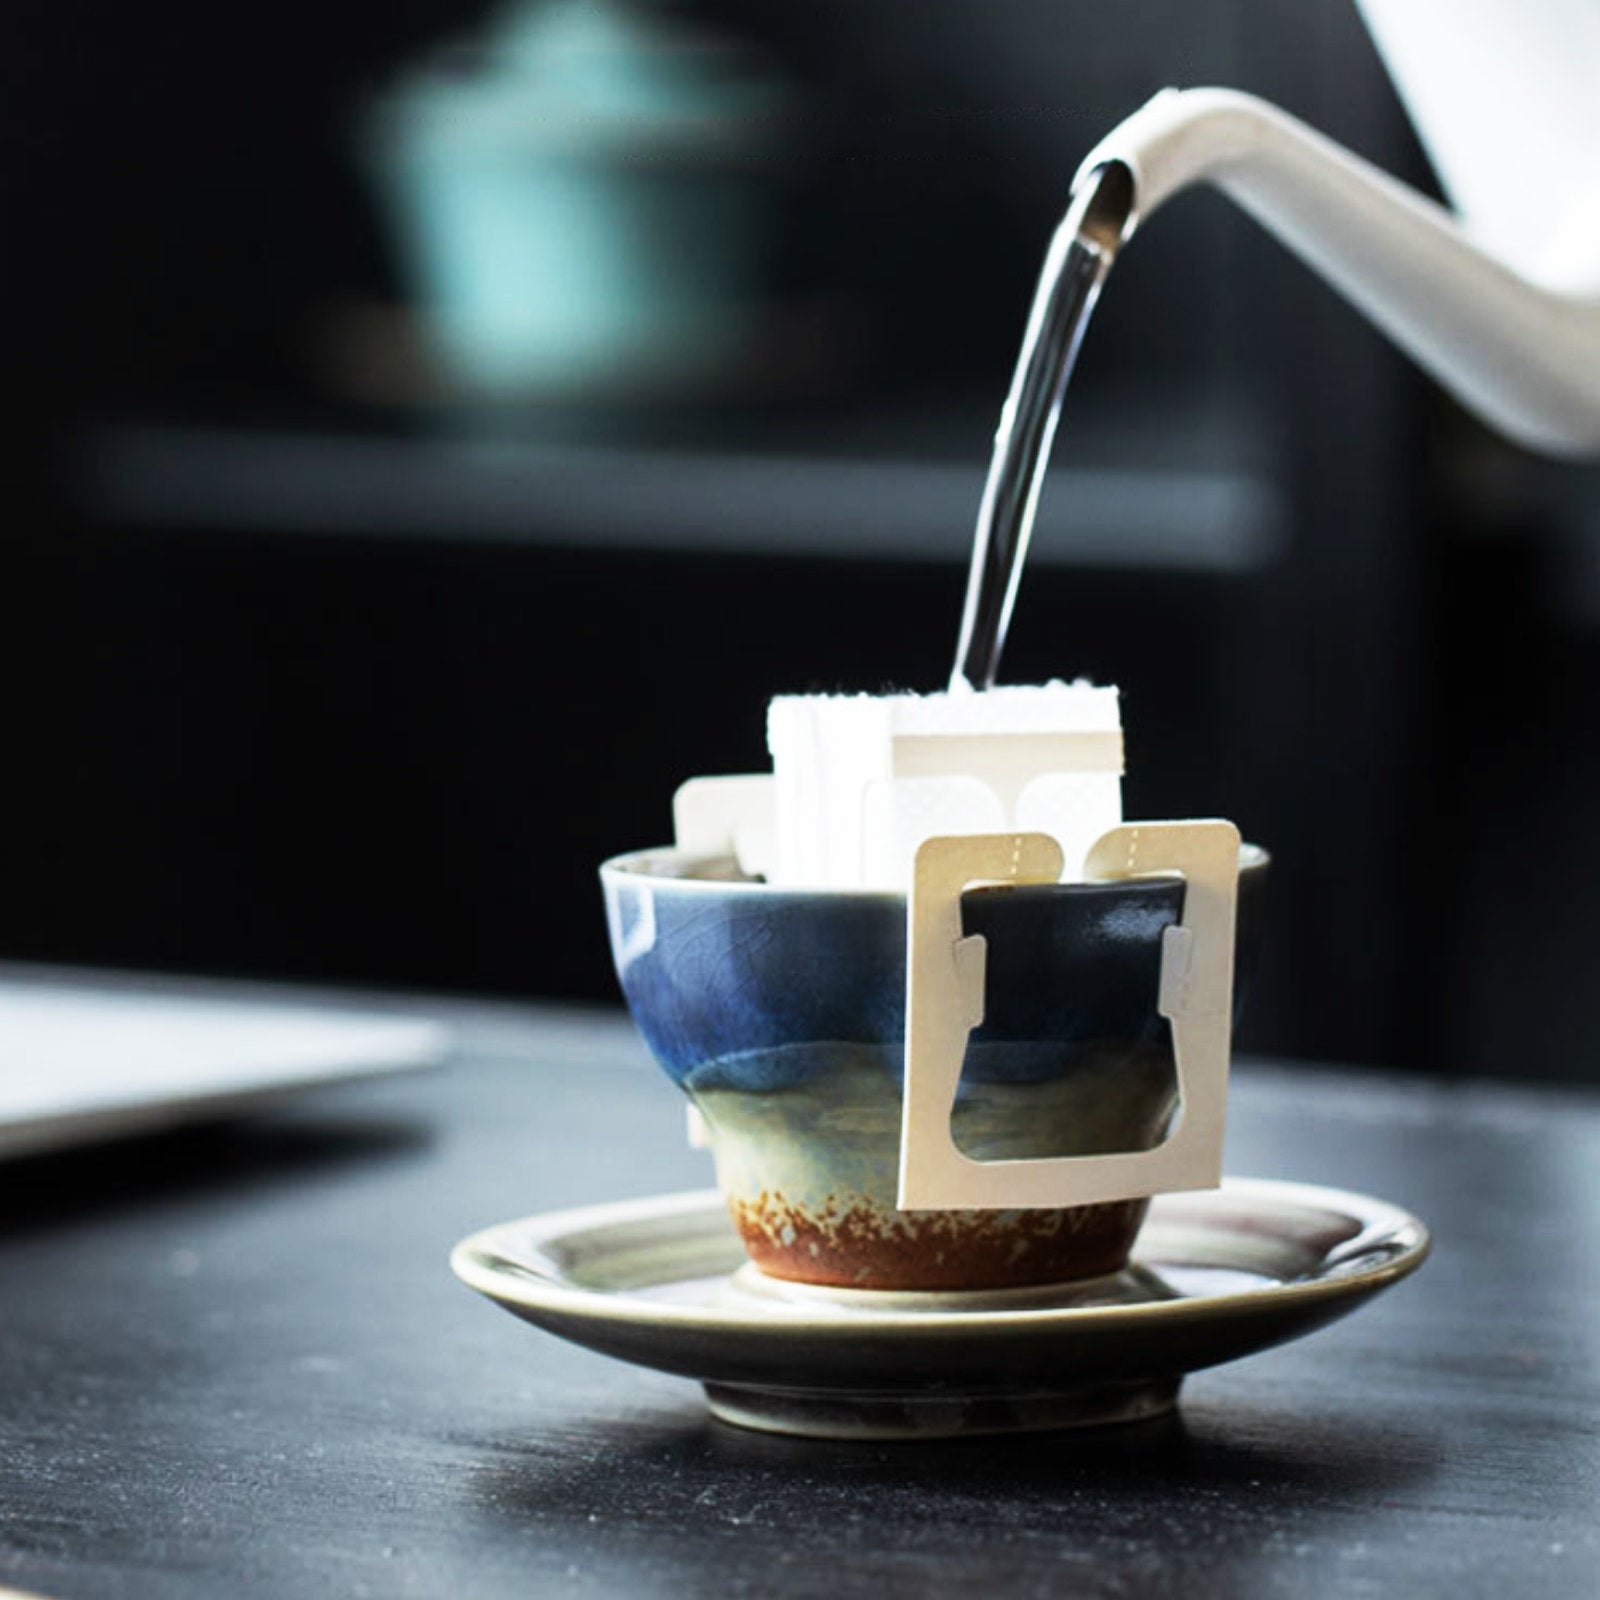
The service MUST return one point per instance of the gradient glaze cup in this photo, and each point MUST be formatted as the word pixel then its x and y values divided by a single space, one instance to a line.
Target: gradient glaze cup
pixel 781 1013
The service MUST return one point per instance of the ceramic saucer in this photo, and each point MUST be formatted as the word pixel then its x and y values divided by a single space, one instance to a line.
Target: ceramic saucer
pixel 1216 1275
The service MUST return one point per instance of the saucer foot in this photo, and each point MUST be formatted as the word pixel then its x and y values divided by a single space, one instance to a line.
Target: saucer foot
pixel 816 1414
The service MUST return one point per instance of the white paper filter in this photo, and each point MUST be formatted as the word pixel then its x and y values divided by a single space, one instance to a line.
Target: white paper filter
pixel 862 780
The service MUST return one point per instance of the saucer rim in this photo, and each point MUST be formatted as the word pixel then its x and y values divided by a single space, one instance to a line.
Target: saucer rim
pixel 483 1262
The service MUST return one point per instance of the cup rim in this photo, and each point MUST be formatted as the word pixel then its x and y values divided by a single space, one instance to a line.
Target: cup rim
pixel 669 866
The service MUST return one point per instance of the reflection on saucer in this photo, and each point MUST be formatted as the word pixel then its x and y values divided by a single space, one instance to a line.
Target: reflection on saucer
pixel 1135 1285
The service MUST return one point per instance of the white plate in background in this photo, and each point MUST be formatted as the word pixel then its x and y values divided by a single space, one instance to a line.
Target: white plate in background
pixel 80 1064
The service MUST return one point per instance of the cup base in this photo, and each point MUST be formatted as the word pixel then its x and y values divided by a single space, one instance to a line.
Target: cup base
pixel 819 1415
pixel 865 1243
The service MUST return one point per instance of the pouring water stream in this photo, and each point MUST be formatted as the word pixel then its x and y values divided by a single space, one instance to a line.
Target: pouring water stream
pixel 1079 258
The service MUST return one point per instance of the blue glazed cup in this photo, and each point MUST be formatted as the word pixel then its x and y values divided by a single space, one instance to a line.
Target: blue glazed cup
pixel 781 1013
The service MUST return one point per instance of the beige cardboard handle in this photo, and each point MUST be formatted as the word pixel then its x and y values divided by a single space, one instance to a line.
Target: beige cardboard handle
pixel 944 1002
pixel 727 816
pixel 723 816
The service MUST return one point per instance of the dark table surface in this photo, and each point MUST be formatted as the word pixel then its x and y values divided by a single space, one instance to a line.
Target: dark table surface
pixel 233 1362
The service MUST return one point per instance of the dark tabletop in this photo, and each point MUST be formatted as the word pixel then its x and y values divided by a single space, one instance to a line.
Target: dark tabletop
pixel 233 1362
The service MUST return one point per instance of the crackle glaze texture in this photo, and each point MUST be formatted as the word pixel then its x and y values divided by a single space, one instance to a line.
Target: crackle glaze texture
pixel 782 1014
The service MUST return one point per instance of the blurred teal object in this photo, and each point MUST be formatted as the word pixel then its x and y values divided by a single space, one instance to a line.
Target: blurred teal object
pixel 580 202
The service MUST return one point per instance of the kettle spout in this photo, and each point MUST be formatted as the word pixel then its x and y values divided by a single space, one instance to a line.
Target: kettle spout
pixel 1524 356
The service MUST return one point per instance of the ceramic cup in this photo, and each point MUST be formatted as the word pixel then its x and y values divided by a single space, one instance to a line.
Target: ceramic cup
pixel 781 1013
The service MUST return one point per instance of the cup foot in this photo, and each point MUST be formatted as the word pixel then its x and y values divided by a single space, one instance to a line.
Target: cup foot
pixel 817 1414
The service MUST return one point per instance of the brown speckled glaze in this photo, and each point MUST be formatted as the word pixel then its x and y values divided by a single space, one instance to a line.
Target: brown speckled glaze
pixel 860 1247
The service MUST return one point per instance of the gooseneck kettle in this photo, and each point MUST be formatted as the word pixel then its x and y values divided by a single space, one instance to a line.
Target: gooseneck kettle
pixel 1499 297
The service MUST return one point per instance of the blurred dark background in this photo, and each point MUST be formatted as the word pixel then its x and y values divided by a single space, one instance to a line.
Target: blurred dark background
pixel 349 622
